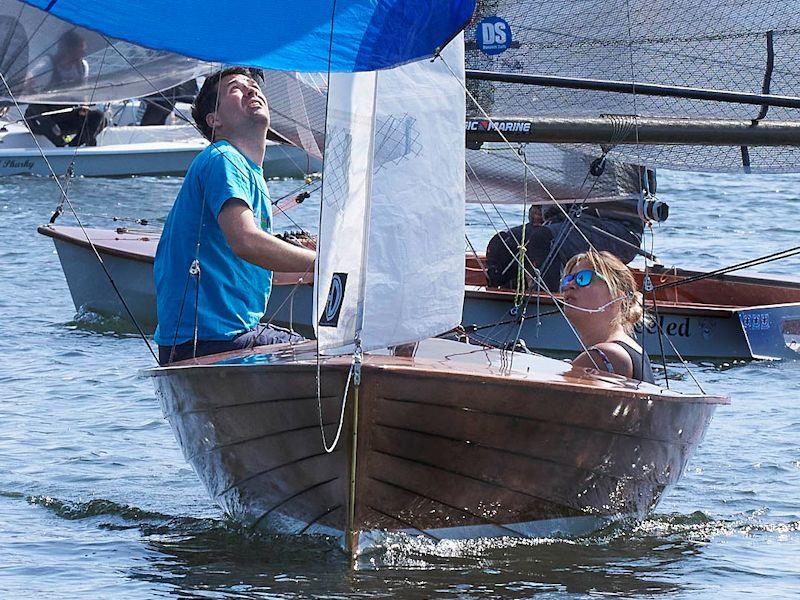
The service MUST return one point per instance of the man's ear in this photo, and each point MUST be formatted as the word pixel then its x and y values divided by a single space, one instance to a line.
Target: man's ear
pixel 212 120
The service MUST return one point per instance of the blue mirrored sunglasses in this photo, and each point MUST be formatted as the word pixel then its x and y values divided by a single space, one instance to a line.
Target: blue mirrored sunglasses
pixel 582 278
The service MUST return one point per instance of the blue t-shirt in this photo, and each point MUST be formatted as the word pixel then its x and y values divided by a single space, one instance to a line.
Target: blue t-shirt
pixel 233 293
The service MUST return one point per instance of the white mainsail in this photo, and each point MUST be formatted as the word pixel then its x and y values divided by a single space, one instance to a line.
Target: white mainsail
pixel 391 250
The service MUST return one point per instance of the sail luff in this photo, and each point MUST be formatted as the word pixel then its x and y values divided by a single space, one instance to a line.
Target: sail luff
pixel 370 153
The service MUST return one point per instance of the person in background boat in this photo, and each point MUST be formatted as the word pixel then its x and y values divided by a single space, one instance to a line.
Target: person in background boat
pixel 214 262
pixel 159 106
pixel 550 239
pixel 63 125
pixel 601 302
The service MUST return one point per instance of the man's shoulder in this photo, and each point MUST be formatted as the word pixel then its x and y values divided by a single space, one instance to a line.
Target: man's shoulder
pixel 222 157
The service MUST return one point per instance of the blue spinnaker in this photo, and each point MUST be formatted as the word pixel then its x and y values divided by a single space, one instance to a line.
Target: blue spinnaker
pixel 290 35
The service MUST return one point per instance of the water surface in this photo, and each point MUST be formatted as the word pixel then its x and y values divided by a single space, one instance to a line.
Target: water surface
pixel 97 501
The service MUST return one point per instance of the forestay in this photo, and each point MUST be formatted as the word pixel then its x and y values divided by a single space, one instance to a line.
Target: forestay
pixel 391 266
pixel 29 40
pixel 279 34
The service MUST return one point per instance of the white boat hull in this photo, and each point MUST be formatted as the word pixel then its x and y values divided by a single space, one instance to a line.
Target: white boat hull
pixel 126 151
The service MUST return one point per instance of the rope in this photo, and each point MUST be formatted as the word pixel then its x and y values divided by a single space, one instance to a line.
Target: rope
pixel 332 447
pixel 65 198
pixel 753 262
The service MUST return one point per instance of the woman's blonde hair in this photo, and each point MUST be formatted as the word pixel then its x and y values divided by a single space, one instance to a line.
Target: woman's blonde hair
pixel 620 283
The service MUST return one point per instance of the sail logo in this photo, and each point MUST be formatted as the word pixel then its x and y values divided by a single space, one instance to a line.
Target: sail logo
pixel 330 317
pixel 493 36
pixel 486 125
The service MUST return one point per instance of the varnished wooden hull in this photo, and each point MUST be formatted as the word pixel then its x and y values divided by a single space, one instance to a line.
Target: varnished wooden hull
pixel 440 446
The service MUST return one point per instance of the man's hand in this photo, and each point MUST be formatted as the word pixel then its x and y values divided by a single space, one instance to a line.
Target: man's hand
pixel 249 242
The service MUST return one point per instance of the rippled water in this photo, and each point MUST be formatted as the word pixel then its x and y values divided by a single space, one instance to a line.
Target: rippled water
pixel 97 501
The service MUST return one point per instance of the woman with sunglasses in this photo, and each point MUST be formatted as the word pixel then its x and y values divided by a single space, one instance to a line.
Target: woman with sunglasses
pixel 603 305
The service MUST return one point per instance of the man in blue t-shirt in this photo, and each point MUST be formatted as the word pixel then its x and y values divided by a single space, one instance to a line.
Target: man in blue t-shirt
pixel 214 263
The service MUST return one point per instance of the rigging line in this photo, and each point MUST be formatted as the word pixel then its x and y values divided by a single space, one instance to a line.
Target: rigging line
pixel 633 72
pixel 263 325
pixel 683 361
pixel 736 267
pixel 477 258
pixel 85 117
pixel 564 231
pixel 195 263
pixel 537 277
pixel 655 310
pixel 69 173
pixel 505 140
pixel 488 197
pixel 83 229
pixel 483 207
pixel 474 328
pixel 317 267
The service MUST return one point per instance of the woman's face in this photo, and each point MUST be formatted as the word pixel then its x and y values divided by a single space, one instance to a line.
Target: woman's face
pixel 592 296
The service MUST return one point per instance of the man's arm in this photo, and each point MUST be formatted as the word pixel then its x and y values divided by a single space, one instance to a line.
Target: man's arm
pixel 252 244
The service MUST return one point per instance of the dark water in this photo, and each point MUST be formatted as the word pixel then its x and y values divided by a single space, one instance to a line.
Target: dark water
pixel 97 501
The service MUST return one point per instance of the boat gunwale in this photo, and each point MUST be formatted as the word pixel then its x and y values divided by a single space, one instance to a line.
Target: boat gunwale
pixel 75 236
pixel 592 384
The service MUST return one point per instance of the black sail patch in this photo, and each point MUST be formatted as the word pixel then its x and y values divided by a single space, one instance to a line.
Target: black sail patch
pixel 330 317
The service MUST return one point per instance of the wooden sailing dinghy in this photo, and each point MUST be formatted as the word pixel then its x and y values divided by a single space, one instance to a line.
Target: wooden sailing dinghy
pixel 725 316
pixel 128 256
pixel 448 440
pixel 438 437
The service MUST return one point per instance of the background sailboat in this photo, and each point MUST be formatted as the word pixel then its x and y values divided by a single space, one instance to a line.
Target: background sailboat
pixel 116 70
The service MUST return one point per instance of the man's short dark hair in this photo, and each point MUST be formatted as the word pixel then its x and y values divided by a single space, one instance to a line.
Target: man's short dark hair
pixel 71 39
pixel 206 100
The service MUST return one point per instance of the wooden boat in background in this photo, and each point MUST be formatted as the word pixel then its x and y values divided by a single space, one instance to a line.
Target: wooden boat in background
pixel 449 440
pixel 727 316
pixel 724 316
pixel 129 258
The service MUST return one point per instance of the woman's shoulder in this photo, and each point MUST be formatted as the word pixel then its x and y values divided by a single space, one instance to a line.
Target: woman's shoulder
pixel 614 353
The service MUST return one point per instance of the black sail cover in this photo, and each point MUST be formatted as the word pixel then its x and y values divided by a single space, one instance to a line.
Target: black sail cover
pixel 46 60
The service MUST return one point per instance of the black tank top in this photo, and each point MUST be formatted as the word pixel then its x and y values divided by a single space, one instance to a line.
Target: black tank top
pixel 642 374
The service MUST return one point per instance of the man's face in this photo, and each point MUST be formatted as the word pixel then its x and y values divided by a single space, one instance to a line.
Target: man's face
pixel 241 104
